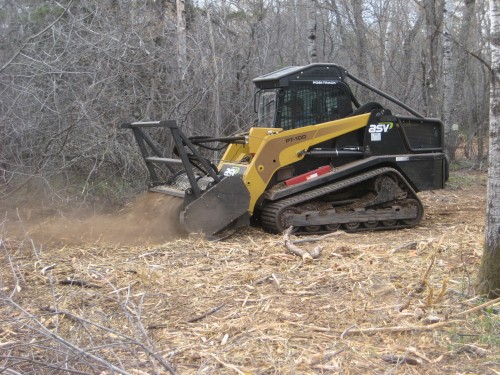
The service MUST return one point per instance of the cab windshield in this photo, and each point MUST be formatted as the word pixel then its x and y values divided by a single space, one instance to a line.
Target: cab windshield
pixel 267 108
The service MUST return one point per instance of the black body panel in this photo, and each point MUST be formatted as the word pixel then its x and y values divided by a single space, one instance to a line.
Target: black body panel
pixel 415 168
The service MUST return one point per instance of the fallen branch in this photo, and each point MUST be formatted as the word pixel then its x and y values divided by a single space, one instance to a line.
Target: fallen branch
pixel 74 348
pixel 76 282
pixel 480 307
pixel 316 252
pixel 46 269
pixel 228 365
pixel 82 321
pixel 264 279
pixel 419 355
pixel 321 238
pixel 213 311
pixel 399 359
pixel 31 361
pixel 294 249
pixel 473 349
pixel 351 330
pixel 429 327
pixel 406 246
pixel 325 356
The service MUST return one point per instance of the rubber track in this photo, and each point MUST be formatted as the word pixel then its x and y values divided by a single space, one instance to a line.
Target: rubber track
pixel 271 210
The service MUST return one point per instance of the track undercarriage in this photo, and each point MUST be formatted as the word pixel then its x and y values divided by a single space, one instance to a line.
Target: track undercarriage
pixel 374 200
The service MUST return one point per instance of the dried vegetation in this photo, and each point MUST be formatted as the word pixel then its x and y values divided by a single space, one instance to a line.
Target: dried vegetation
pixel 398 302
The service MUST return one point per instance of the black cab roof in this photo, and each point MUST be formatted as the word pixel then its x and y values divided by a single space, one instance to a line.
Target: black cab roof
pixel 309 74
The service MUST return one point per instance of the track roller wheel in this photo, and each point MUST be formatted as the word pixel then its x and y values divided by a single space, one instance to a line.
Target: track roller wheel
pixel 332 227
pixel 370 224
pixel 389 223
pixel 312 228
pixel 351 226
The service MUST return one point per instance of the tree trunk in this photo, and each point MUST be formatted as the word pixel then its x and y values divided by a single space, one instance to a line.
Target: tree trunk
pixel 216 85
pixel 489 271
pixel 434 28
pixel 312 53
pixel 409 68
pixel 362 49
pixel 450 130
pixel 386 44
pixel 181 36
pixel 461 58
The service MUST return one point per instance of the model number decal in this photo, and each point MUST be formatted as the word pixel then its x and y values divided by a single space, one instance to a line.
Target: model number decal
pixel 380 128
pixel 296 138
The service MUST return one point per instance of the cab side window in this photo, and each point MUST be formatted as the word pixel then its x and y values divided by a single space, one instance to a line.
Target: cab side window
pixel 307 105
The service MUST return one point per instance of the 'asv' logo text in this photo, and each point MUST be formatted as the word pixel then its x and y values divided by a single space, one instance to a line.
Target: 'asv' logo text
pixel 380 128
pixel 231 171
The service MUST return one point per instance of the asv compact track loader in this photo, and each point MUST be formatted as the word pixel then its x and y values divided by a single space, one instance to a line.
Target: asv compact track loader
pixel 316 160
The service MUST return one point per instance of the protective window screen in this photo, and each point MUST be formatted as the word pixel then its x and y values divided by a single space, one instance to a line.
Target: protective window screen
pixel 312 104
pixel 423 134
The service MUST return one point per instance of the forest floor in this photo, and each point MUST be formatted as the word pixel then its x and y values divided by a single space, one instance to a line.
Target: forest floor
pixel 76 300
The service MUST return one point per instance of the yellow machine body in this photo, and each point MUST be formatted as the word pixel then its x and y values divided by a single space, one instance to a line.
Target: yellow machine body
pixel 269 149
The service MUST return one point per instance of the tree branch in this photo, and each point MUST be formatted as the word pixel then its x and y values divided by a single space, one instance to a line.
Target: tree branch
pixel 27 41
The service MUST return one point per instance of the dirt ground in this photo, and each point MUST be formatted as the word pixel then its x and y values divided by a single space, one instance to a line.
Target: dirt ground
pixel 115 295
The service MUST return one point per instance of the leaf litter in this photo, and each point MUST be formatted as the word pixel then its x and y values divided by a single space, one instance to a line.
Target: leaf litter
pixel 377 302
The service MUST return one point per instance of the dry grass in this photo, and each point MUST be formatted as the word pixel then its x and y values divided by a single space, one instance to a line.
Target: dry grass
pixel 382 302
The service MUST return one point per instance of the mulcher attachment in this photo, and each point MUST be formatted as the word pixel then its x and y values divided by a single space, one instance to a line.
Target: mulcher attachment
pixel 222 207
pixel 212 203
pixel 190 162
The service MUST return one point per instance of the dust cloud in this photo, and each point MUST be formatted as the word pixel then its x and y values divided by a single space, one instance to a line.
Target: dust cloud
pixel 152 218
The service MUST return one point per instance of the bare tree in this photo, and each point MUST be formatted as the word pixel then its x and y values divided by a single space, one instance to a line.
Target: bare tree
pixel 433 10
pixel 489 272
pixel 450 129
pixel 181 35
pixel 462 61
pixel 312 53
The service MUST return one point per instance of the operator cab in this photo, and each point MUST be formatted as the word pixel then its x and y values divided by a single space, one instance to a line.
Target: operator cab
pixel 295 97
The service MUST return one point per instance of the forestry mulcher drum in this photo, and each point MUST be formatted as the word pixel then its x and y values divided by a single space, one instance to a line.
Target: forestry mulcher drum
pixel 316 159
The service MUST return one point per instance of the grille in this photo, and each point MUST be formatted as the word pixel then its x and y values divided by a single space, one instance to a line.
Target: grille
pixel 423 134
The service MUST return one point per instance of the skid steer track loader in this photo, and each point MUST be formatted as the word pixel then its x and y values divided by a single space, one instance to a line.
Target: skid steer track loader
pixel 316 160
